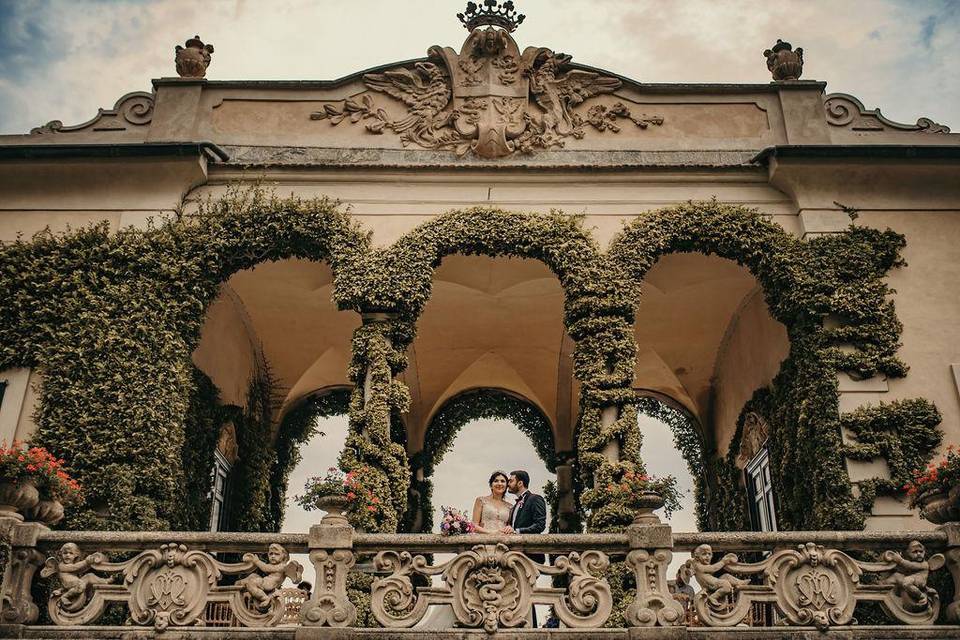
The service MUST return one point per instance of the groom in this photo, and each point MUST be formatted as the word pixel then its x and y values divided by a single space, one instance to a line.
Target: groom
pixel 529 513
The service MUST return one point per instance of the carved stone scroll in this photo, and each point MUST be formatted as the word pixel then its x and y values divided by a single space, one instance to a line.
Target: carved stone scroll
pixel 491 587
pixel 844 110
pixel 168 586
pixel 134 108
pixel 815 586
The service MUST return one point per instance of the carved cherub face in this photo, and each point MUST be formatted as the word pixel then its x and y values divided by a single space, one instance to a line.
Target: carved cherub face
pixel 916 551
pixel 276 554
pixel 493 41
pixel 813 554
pixel 703 554
pixel 69 553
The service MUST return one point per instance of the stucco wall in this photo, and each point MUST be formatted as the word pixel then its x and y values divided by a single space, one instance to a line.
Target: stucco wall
pixel 749 358
pixel 928 304
pixel 225 352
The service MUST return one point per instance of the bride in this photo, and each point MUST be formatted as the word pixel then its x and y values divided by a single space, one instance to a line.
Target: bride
pixel 490 514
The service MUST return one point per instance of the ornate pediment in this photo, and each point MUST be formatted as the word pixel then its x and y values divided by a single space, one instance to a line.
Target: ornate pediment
pixel 489 99
pixel 754 435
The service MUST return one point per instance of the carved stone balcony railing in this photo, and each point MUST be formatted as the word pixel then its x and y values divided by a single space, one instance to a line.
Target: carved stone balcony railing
pixel 191 584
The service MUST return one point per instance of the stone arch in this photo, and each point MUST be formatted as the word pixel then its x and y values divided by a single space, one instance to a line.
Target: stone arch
pixel 296 427
pixel 779 262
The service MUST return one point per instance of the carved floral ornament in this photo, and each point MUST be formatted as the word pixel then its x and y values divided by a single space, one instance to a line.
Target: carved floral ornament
pixel 490 99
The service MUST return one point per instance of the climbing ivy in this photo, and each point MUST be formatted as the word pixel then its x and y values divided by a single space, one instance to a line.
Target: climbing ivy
pixel 110 319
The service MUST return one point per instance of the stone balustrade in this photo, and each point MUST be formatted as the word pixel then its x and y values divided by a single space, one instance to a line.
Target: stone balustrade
pixel 172 580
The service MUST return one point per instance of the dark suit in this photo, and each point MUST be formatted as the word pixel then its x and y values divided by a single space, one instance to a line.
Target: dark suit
pixel 529 515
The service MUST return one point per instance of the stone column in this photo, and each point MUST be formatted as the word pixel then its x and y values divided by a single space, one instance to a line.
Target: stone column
pixel 374 318
pixel 651 544
pixel 566 501
pixel 16 602
pixel 609 415
pixel 331 552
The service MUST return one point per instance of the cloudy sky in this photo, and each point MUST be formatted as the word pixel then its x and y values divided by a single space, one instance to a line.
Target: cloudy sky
pixel 62 59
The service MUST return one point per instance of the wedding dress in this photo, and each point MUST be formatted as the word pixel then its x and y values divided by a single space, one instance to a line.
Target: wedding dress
pixel 493 516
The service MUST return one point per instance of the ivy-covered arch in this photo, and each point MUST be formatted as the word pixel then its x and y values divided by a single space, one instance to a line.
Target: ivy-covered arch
pixel 455 413
pixel 110 320
pixel 804 282
pixel 598 311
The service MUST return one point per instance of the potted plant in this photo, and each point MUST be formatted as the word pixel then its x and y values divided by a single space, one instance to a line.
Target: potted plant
pixel 644 494
pixel 33 483
pixel 346 497
pixel 936 489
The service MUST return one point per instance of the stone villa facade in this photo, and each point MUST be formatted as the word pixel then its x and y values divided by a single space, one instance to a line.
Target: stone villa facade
pixel 492 124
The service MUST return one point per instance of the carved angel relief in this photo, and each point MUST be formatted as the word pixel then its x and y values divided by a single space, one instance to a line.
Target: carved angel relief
pixel 479 100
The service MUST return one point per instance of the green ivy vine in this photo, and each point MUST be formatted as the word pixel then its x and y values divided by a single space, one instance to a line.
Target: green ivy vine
pixel 110 320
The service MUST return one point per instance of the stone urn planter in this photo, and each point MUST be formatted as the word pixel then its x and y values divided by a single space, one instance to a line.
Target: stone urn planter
pixel 334 505
pixel 645 504
pixel 17 497
pixel 48 512
pixel 940 507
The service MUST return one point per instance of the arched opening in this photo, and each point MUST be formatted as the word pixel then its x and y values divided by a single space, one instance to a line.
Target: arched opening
pixel 491 345
pixel 276 349
pixel 706 343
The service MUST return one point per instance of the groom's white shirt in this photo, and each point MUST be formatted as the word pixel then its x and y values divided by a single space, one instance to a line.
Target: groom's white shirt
pixel 516 509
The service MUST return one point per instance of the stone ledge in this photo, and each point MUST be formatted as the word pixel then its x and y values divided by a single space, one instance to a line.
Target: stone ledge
pixel 329 157
pixel 326 633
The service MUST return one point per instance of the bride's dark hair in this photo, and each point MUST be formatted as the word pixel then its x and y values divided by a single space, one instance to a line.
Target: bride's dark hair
pixel 493 476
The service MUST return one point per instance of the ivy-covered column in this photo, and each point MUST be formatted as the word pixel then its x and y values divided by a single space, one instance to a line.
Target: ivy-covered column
pixel 377 461
pixel 608 441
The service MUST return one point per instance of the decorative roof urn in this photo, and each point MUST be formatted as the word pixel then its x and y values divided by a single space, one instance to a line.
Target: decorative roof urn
pixel 193 60
pixel 783 62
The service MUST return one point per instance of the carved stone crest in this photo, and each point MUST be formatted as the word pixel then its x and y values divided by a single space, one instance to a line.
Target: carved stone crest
pixel 479 99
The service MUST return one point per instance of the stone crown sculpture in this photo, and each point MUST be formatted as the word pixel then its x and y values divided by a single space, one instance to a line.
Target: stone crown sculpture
pixel 783 62
pixel 490 14
pixel 192 61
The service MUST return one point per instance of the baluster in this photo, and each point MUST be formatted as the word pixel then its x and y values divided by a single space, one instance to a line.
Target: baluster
pixel 651 547
pixel 331 551
pixel 16 603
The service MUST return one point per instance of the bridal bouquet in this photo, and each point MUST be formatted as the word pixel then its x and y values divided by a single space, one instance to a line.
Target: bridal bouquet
pixel 455 522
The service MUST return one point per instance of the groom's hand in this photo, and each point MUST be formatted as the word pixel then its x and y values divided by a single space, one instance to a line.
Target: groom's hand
pixel 507 529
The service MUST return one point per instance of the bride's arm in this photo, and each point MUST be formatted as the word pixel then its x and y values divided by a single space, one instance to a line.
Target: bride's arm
pixel 478 516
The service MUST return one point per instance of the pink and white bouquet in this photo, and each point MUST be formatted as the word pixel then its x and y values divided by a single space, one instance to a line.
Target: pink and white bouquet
pixel 455 522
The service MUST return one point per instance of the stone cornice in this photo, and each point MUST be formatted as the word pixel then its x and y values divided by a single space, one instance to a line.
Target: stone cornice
pixel 116 150
pixel 860 151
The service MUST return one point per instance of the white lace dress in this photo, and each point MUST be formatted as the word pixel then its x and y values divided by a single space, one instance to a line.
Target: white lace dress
pixel 493 516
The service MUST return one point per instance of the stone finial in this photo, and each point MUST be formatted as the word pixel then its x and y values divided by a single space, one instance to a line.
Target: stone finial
pixel 193 60
pixel 783 62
